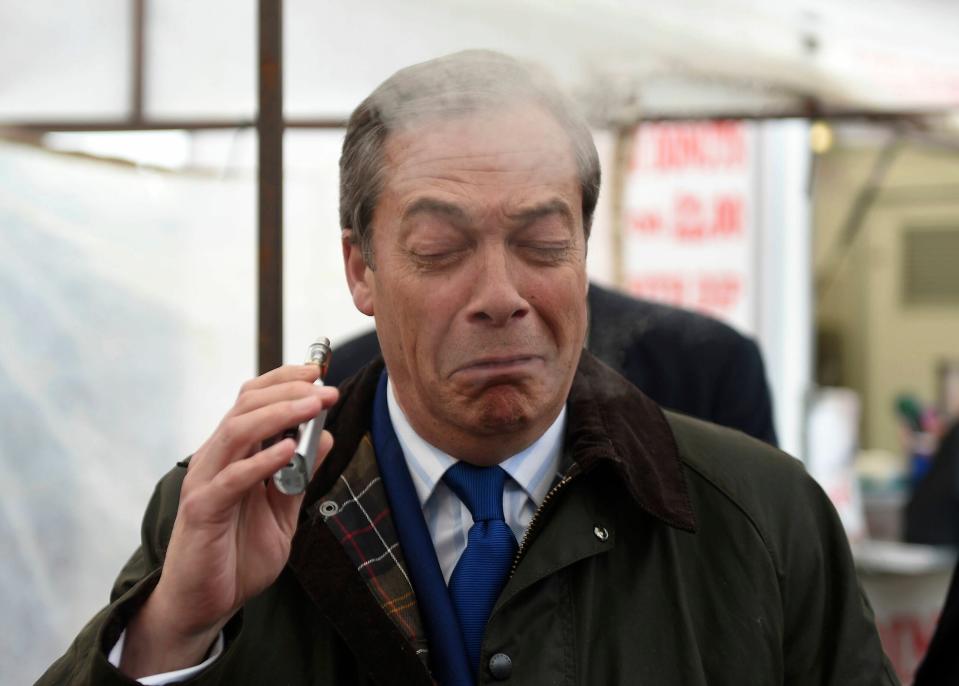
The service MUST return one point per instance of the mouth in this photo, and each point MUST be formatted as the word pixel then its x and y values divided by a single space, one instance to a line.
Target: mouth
pixel 499 364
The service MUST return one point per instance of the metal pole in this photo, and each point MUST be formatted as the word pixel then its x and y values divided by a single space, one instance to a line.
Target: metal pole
pixel 152 124
pixel 137 63
pixel 269 127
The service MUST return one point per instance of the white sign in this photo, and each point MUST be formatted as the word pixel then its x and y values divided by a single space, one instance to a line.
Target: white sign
pixel 689 235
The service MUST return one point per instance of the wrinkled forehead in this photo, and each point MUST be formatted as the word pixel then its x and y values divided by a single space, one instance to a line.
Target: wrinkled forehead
pixel 486 161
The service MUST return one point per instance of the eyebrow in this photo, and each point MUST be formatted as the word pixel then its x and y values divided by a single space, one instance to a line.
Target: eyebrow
pixel 528 215
pixel 434 206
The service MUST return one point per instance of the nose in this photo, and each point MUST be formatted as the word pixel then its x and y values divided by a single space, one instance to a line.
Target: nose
pixel 496 298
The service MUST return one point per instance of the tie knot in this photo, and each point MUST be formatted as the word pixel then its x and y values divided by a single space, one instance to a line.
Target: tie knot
pixel 480 489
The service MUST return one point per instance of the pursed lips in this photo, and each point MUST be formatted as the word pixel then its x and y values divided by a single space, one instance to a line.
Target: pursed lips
pixel 496 363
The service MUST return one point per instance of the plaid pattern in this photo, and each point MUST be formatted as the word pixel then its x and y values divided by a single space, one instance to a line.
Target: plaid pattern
pixel 357 512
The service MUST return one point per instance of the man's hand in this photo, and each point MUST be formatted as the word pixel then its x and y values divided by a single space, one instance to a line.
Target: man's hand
pixel 233 529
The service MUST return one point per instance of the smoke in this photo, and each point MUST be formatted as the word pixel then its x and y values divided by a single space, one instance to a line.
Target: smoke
pixel 465 82
pixel 444 88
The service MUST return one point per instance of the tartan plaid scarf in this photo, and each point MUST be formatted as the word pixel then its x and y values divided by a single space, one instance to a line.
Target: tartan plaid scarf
pixel 357 512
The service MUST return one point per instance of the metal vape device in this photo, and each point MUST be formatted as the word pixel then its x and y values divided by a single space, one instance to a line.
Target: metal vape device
pixel 293 478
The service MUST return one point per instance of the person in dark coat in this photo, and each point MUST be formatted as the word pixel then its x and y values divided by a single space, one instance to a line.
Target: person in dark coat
pixel 685 361
pixel 932 514
pixel 933 517
pixel 941 662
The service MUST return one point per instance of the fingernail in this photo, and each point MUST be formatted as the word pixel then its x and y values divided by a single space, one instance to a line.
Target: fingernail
pixel 306 404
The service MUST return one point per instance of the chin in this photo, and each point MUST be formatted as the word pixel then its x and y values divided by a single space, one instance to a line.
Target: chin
pixel 504 408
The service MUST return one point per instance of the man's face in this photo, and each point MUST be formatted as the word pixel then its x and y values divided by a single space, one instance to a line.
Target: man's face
pixel 479 285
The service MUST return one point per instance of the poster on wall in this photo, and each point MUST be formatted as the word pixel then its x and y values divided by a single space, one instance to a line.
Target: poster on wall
pixel 689 237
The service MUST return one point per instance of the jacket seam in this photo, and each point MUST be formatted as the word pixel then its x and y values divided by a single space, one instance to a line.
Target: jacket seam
pixel 770 550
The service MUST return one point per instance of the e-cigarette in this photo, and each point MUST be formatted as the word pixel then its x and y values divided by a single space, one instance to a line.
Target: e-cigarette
pixel 293 478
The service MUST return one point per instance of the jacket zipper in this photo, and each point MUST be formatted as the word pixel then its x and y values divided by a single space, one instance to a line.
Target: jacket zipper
pixel 527 535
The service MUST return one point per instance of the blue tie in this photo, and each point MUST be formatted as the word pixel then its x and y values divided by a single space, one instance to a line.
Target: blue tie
pixel 482 569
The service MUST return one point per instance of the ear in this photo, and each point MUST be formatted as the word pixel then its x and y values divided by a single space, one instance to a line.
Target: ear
pixel 358 275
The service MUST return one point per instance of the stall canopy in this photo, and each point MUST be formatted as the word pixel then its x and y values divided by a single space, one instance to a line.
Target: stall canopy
pixel 75 61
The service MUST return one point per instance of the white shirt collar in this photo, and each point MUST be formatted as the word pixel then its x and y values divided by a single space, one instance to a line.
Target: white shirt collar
pixel 533 469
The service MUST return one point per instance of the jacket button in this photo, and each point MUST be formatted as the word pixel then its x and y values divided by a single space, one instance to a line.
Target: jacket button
pixel 600 532
pixel 500 666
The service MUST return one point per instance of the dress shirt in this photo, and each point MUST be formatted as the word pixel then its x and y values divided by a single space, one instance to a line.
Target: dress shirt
pixel 167 678
pixel 532 472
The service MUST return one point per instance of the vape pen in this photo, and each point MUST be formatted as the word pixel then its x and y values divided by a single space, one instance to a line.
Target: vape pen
pixel 293 478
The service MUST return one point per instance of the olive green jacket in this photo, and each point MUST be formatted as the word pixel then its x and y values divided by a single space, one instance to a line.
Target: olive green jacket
pixel 673 553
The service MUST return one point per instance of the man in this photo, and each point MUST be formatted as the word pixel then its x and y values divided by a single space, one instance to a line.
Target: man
pixel 684 361
pixel 435 542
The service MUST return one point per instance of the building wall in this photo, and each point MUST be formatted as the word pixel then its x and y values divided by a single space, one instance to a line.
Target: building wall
pixel 882 345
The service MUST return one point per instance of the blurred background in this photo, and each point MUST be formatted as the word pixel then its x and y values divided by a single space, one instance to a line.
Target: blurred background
pixel 791 168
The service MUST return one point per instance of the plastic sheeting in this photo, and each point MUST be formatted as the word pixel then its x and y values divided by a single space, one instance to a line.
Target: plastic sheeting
pixel 73 60
pixel 65 59
pixel 127 326
pixel 119 303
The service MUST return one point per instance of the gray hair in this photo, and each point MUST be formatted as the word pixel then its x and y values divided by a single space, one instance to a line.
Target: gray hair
pixel 453 85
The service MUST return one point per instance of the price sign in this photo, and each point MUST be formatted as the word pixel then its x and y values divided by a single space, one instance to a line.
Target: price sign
pixel 689 238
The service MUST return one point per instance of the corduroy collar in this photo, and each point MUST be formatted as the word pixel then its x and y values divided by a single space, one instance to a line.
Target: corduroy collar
pixel 609 422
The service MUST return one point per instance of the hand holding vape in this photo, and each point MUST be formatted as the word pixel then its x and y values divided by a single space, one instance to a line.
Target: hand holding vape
pixel 293 478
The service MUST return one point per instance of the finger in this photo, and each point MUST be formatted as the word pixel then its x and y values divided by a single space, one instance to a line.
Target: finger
pixel 252 400
pixel 302 373
pixel 288 372
pixel 286 508
pixel 256 398
pixel 237 437
pixel 322 450
pixel 233 483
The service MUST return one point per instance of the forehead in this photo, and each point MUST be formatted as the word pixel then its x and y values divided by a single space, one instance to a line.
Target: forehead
pixel 510 155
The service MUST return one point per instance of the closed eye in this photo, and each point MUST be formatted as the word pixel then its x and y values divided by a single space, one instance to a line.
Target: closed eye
pixel 546 252
pixel 436 259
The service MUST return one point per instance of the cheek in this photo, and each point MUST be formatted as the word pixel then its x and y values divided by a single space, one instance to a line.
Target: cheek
pixel 562 305
pixel 422 312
